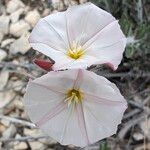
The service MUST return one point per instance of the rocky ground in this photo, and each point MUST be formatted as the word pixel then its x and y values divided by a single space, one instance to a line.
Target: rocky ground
pixel 17 19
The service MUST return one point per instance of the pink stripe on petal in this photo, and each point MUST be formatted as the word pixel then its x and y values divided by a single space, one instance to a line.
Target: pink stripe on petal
pixel 48 88
pixel 57 33
pixel 67 30
pixel 52 113
pixel 70 111
pixel 51 46
pixel 90 40
pixel 78 79
pixel 101 100
pixel 82 123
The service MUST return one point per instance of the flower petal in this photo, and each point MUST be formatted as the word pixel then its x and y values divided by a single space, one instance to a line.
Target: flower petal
pixel 82 24
pixel 103 56
pixel 78 79
pixel 56 33
pixel 103 106
pixel 81 63
pixel 101 120
pixel 50 38
pixel 109 35
pixel 82 122
pixel 49 31
pixel 108 45
pixel 38 103
pixel 100 88
pixel 65 128
pixel 52 113
pixel 46 106
pixel 95 117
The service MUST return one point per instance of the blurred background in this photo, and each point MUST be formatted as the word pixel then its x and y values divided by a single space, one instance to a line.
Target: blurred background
pixel 17 19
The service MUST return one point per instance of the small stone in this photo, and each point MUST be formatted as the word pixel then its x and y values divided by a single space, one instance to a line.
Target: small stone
pixel 54 12
pixel 2 9
pixel 18 104
pixel 14 17
pixel 19 28
pixel 2 127
pixel 7 42
pixel 138 136
pixel 143 147
pixel 5 122
pixel 48 141
pixel 32 17
pixel 58 5
pixel 46 12
pixel 21 45
pixel 37 145
pixel 32 132
pixel 17 136
pixel 27 9
pixel 72 2
pixel 145 126
pixel 4 75
pixel 3 55
pixel 1 36
pixel 10 131
pixel 24 115
pixel 6 97
pixel 4 24
pixel 82 1
pixel 14 5
pixel 17 85
pixel 20 146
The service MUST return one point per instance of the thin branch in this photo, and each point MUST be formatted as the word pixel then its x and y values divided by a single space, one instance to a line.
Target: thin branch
pixel 129 124
pixel 131 113
pixel 26 138
pixel 95 69
pixel 125 74
pixel 14 66
pixel 139 107
pixel 12 99
pixel 24 73
pixel 13 87
pixel 18 121
pixel 140 10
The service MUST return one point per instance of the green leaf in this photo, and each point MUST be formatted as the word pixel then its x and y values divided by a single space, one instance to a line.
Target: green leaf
pixel 129 51
pixel 126 25
pixel 142 31
pixel 104 146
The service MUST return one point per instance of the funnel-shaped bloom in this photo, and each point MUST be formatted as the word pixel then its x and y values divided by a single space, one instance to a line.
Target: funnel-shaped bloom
pixel 75 107
pixel 79 37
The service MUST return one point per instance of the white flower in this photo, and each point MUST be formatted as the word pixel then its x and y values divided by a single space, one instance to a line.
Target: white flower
pixel 79 37
pixel 75 107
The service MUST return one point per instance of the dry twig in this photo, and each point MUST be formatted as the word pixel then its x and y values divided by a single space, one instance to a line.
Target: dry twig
pixel 26 138
pixel 18 121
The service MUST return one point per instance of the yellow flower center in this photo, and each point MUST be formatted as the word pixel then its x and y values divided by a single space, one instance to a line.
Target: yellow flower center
pixel 74 96
pixel 75 52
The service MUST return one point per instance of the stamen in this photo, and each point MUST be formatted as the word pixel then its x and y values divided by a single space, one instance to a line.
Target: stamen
pixel 75 52
pixel 74 96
